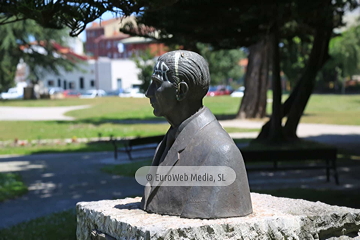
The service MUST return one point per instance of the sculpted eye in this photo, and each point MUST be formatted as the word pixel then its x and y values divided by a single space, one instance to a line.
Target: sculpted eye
pixel 157 82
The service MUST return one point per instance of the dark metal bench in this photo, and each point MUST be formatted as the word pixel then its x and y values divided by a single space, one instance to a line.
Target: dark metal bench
pixel 326 154
pixel 136 144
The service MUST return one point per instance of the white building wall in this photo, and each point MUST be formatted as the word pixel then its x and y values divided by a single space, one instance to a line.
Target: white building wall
pixel 104 74
pixel 109 71
pixel 71 79
pixel 126 71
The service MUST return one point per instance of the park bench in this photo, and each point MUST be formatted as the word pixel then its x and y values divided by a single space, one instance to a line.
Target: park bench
pixel 325 154
pixel 136 144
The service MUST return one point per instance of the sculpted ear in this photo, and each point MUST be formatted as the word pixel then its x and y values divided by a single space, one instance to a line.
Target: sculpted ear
pixel 183 90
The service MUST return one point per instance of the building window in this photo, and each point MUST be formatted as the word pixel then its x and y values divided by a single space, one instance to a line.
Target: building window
pixel 50 83
pixel 109 55
pixel 81 83
pixel 59 82
pixel 92 83
pixel 108 45
pixel 65 84
pixel 71 85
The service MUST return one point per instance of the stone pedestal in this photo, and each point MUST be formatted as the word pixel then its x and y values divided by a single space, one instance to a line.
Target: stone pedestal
pixel 273 218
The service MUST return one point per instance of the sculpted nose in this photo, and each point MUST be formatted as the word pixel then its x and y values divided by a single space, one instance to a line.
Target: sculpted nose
pixel 150 91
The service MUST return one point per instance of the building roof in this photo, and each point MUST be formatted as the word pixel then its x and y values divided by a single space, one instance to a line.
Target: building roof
pixel 58 47
pixel 243 62
pixel 95 25
pixel 118 36
pixel 68 52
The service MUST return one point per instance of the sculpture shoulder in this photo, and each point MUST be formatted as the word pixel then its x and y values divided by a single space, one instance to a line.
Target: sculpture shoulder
pixel 215 137
pixel 215 146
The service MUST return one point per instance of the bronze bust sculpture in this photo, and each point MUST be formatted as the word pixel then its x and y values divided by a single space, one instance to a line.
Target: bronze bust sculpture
pixel 179 83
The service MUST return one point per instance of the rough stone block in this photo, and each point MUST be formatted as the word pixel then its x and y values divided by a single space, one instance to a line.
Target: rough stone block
pixel 273 218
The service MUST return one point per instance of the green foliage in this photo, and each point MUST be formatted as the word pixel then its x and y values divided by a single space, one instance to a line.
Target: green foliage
pixel 60 225
pixel 29 42
pixel 294 56
pixel 223 64
pixel 344 59
pixel 58 14
pixel 11 185
pixel 345 51
pixel 145 62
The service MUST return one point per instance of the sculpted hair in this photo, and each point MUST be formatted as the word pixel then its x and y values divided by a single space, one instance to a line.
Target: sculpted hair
pixel 188 67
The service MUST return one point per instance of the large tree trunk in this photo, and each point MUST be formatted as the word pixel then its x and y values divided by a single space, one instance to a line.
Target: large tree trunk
pixel 253 104
pixel 276 130
pixel 295 105
pixel 318 56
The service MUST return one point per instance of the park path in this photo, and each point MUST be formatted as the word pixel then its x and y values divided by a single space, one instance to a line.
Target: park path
pixel 37 113
pixel 57 182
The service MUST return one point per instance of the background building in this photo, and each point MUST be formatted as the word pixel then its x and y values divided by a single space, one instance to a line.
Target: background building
pixel 105 40
pixel 106 63
pixel 104 73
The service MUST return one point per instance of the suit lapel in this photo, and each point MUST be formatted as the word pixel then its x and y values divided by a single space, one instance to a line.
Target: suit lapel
pixel 155 162
pixel 181 142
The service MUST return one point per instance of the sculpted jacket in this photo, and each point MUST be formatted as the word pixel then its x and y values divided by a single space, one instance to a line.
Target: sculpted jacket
pixel 201 142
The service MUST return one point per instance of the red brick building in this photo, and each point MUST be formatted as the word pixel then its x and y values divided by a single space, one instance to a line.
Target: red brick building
pixel 106 40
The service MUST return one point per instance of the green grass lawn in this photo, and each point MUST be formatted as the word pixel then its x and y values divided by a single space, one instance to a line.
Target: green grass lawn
pixel 122 117
pixel 57 226
pixel 11 186
pixel 37 130
pixel 128 169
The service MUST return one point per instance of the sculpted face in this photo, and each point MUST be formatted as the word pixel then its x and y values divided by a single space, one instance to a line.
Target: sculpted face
pixel 161 92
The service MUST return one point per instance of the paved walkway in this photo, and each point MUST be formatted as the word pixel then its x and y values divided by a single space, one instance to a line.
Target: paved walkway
pixel 344 136
pixel 37 113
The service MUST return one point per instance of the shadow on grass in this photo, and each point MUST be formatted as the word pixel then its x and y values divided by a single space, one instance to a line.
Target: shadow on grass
pixel 144 120
pixel 99 121
pixel 68 148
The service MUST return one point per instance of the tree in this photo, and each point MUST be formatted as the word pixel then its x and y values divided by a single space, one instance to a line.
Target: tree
pixel 58 14
pixel 223 64
pixel 345 54
pixel 231 24
pixel 253 104
pixel 294 55
pixel 33 44
pixel 242 23
pixel 145 63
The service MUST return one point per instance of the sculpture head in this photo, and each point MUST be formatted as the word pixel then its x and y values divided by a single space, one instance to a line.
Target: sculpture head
pixel 180 80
